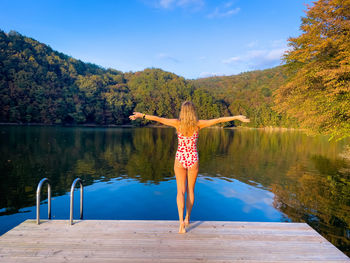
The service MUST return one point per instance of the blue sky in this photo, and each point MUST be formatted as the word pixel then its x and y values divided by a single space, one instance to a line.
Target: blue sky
pixel 191 38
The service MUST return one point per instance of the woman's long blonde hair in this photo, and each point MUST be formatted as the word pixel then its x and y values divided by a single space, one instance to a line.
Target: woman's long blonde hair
pixel 188 119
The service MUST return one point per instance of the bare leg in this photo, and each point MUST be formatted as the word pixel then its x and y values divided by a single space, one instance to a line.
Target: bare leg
pixel 191 181
pixel 181 175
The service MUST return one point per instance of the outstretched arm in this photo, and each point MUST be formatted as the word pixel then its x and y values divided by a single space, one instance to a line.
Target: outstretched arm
pixel 206 123
pixel 165 121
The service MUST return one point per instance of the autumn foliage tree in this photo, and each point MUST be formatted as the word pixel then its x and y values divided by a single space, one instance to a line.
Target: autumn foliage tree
pixel 318 90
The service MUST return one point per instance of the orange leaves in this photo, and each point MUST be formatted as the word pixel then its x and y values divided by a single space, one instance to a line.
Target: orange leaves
pixel 318 91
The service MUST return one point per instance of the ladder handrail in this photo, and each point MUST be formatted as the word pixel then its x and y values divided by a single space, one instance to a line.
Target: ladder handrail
pixel 78 180
pixel 38 190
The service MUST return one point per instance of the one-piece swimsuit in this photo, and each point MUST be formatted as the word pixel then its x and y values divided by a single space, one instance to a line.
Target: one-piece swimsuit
pixel 186 152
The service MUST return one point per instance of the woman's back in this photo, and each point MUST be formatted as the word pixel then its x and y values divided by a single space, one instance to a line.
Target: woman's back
pixel 186 152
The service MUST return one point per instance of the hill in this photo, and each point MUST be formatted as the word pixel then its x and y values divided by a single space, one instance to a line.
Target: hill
pixel 41 85
pixel 250 94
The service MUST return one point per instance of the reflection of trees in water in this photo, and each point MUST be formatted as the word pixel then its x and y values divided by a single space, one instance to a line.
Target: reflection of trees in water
pixel 29 154
pixel 321 198
pixel 260 156
pixel 142 154
pixel 153 157
pixel 309 179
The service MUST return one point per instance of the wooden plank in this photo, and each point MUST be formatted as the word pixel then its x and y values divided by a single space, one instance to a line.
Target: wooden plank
pixel 158 241
pixel 235 254
pixel 168 230
pixel 106 226
pixel 127 238
pixel 148 260
pixel 90 243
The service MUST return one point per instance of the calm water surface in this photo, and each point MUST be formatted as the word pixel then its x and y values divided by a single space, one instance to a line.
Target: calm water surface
pixel 244 175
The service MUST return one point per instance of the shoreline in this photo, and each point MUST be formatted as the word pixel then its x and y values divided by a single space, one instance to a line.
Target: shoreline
pixel 68 125
pixel 267 128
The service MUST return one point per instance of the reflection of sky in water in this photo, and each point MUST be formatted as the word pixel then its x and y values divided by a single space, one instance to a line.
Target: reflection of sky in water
pixel 216 199
pixel 234 200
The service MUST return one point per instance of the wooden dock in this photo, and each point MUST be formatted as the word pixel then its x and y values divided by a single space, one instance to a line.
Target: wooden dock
pixel 158 241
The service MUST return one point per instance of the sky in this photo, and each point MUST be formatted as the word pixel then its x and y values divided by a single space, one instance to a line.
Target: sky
pixel 191 38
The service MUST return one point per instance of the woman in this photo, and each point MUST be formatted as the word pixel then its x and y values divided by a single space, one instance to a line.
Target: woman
pixel 186 160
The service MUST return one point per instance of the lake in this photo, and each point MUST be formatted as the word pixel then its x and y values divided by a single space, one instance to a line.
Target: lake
pixel 244 175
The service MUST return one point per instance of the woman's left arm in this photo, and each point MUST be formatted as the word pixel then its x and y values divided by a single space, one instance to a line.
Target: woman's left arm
pixel 207 123
pixel 165 121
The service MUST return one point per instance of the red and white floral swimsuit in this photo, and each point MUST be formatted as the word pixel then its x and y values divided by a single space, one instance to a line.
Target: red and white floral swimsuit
pixel 186 152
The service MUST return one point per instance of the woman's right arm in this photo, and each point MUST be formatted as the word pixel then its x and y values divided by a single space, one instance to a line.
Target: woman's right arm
pixel 165 121
pixel 207 123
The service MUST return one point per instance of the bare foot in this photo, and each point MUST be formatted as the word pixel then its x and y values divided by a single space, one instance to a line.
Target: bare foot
pixel 187 221
pixel 182 229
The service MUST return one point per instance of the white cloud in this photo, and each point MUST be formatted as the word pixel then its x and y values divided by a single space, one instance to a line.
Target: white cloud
pixel 257 53
pixel 190 2
pixel 228 4
pixel 210 74
pixel 275 54
pixel 279 43
pixel 231 60
pixel 259 58
pixel 252 44
pixel 168 57
pixel 169 4
pixel 224 10
pixel 221 13
pixel 165 3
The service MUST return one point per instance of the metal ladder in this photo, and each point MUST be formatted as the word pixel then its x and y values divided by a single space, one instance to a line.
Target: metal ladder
pixel 38 191
pixel 78 180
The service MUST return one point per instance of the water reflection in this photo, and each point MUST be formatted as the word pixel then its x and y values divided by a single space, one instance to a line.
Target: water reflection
pixel 246 175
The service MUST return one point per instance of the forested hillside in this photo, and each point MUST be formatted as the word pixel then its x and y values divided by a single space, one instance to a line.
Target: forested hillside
pixel 249 94
pixel 40 85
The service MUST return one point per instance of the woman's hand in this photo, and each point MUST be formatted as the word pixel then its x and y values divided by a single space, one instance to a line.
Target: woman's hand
pixel 135 116
pixel 242 118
